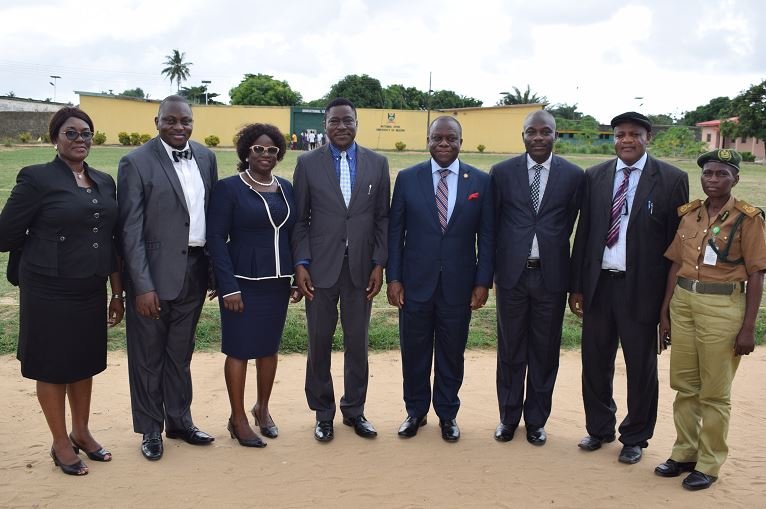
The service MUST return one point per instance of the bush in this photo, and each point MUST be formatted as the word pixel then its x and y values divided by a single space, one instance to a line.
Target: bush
pixel 7 142
pixel 144 138
pixel 400 145
pixel 748 157
pixel 480 147
pixel 212 140
pixel 123 138
pixel 46 138
pixel 135 139
pixel 25 137
pixel 99 138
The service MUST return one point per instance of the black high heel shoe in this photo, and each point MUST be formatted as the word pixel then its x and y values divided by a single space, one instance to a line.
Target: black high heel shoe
pixel 73 469
pixel 249 442
pixel 267 431
pixel 100 455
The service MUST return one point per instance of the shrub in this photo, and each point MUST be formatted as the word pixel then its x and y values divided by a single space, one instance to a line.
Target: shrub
pixel 212 140
pixel 25 137
pixel 400 145
pixel 480 147
pixel 46 138
pixel 7 142
pixel 135 138
pixel 123 138
pixel 99 138
pixel 144 138
pixel 748 157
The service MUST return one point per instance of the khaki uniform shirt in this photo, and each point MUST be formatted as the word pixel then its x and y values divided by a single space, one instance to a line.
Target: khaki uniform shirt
pixel 696 228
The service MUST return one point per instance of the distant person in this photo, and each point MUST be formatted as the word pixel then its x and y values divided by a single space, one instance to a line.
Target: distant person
pixel 320 139
pixel 441 213
pixel 312 140
pixel 713 293
pixel 64 216
pixel 304 141
pixel 294 141
pixel 627 221
pixel 163 192
pixel 249 223
pixel 339 246
pixel 537 198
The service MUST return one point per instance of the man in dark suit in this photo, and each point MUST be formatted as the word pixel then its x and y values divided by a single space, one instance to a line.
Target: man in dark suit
pixel 342 195
pixel 440 212
pixel 627 221
pixel 537 197
pixel 163 189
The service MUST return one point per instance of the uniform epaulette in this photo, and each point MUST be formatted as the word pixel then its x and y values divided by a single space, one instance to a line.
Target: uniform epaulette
pixel 748 209
pixel 688 207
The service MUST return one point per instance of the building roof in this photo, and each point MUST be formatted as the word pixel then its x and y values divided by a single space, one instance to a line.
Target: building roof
pixel 716 123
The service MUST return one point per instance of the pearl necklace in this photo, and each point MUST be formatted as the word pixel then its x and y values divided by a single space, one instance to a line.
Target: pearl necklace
pixel 78 174
pixel 260 183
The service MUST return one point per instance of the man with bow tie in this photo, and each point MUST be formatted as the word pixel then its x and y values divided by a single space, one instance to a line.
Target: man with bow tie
pixel 441 212
pixel 163 190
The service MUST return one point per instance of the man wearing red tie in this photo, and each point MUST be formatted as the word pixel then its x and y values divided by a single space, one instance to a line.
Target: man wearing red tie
pixel 441 212
pixel 627 221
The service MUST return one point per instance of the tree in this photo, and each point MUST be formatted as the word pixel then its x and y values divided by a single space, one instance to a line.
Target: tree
pixel 198 95
pixel 177 69
pixel 716 109
pixel 364 91
pixel 447 99
pixel 750 107
pixel 677 141
pixel 661 119
pixel 403 98
pixel 264 90
pixel 517 97
pixel 134 92
pixel 11 94
pixel 564 111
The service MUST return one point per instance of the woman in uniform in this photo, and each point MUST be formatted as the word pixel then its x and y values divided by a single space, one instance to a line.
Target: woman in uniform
pixel 713 292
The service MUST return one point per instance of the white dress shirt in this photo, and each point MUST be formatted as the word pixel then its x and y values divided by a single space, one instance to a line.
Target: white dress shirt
pixel 194 193
pixel 614 257
pixel 535 252
pixel 454 169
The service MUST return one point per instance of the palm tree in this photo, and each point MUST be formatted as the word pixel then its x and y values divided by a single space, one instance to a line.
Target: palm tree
pixel 517 97
pixel 177 70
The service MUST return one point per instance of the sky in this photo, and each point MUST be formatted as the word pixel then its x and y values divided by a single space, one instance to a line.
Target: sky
pixel 652 56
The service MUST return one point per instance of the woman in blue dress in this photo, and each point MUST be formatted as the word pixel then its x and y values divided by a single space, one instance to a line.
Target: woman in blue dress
pixel 249 222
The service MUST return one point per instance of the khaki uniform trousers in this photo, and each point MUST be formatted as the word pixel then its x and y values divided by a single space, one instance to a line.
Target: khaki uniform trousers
pixel 702 367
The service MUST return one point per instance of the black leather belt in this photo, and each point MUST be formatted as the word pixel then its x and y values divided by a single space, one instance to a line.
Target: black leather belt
pixel 196 250
pixel 613 274
pixel 711 288
pixel 533 263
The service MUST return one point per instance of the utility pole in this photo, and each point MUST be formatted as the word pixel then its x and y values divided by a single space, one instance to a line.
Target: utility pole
pixel 54 85
pixel 206 83
pixel 428 107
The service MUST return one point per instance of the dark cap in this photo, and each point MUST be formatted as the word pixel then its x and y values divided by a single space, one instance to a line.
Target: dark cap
pixel 722 155
pixel 632 116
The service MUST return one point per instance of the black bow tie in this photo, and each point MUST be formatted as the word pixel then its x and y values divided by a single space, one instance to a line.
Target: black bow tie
pixel 181 154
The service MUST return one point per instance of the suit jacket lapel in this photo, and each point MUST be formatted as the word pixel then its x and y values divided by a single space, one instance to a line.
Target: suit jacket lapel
pixel 361 177
pixel 644 189
pixel 203 165
pixel 550 186
pixel 426 180
pixel 328 167
pixel 170 171
pixel 604 189
pixel 461 197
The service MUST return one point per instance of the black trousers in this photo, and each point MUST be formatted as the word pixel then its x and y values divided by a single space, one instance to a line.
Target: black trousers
pixel 433 330
pixel 529 320
pixel 606 320
pixel 160 352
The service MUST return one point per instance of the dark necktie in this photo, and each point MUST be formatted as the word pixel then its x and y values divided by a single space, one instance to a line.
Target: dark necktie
pixel 534 188
pixel 442 198
pixel 181 154
pixel 618 203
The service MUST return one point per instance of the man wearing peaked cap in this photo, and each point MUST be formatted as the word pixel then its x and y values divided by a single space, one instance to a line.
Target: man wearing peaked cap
pixel 627 221
pixel 709 316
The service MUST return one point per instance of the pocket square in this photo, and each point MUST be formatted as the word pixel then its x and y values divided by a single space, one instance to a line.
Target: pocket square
pixel 473 196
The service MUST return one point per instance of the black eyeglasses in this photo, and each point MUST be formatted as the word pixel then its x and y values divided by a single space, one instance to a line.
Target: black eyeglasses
pixel 72 135
pixel 260 149
pixel 346 121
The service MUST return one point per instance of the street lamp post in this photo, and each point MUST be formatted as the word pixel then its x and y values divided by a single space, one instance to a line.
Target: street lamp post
pixel 206 82
pixel 54 85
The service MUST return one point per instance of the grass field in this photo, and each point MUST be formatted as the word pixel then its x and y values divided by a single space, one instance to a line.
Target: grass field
pixel 384 323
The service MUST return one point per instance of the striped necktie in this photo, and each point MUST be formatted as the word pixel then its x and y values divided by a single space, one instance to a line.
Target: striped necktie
pixel 442 197
pixel 618 204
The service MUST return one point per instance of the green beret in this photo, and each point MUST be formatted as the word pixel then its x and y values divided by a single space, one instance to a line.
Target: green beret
pixel 721 155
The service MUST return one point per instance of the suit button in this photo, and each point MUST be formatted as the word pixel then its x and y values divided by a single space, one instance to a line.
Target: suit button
pixel 62 238
pixel 88 190
pixel 95 245
pixel 95 230
pixel 186 225
pixel 96 215
pixel 183 251
pixel 94 200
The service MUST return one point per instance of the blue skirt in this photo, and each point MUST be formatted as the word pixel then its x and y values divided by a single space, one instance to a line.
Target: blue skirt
pixel 257 331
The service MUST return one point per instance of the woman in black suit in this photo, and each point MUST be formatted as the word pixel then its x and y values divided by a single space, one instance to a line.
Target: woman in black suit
pixel 249 222
pixel 64 214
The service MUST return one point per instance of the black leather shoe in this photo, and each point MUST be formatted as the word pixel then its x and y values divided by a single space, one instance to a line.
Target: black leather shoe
pixel 698 481
pixel 450 431
pixel 504 433
pixel 191 435
pixel 361 425
pixel 672 468
pixel 630 454
pixel 267 431
pixel 536 436
pixel 245 442
pixel 151 446
pixel 410 426
pixel 591 443
pixel 323 431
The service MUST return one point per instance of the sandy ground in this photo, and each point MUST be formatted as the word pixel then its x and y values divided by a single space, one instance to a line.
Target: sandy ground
pixel 297 471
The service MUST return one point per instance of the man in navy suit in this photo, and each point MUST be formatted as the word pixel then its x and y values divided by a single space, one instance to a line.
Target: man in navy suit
pixel 537 197
pixel 440 213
